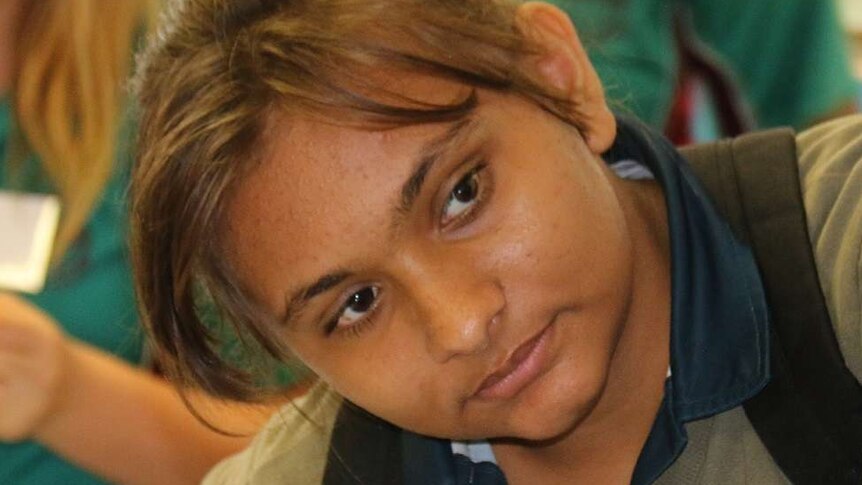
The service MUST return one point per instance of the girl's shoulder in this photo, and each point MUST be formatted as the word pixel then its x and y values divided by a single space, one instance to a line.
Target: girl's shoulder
pixel 291 448
pixel 830 172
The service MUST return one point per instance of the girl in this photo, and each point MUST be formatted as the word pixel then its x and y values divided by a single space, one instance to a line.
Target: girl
pixel 409 197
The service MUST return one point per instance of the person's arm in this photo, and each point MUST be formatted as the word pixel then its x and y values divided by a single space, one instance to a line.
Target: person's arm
pixel 106 416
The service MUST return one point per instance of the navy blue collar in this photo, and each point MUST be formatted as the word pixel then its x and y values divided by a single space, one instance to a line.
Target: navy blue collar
pixel 719 320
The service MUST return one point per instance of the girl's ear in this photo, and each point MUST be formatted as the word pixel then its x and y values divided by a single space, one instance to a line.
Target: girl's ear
pixel 563 67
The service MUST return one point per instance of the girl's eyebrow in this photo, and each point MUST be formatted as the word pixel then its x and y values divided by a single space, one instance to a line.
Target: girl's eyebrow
pixel 301 297
pixel 431 153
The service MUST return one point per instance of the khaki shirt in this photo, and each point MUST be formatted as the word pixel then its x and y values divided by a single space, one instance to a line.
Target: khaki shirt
pixel 725 448
pixel 290 449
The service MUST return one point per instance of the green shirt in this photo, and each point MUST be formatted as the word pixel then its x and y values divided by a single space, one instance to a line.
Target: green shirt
pixel 789 57
pixel 89 293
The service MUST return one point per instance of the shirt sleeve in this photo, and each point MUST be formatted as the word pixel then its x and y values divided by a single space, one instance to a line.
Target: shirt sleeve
pixel 291 448
pixel 790 57
pixel 830 157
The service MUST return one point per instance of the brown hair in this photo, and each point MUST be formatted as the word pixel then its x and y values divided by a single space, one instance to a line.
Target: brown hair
pixel 207 86
pixel 73 58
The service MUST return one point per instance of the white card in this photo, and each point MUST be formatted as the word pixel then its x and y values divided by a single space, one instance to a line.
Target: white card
pixel 28 224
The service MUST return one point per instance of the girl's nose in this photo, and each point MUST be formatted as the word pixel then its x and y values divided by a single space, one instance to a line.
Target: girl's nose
pixel 459 304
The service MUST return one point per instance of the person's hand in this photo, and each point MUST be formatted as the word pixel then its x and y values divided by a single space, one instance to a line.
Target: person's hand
pixel 33 354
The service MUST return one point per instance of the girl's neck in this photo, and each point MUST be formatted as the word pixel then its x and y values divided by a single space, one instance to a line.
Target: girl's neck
pixel 605 446
pixel 10 18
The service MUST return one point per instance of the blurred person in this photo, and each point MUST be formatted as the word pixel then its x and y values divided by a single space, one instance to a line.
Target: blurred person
pixel 767 63
pixel 75 408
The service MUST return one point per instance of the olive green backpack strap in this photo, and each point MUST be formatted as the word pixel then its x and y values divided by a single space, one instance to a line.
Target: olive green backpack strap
pixel 809 416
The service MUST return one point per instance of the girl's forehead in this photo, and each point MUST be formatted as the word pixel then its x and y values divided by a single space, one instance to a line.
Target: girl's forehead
pixel 306 154
pixel 322 193
pixel 326 194
pixel 302 143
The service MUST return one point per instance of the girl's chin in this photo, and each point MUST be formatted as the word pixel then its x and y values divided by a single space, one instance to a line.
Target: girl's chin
pixel 548 429
pixel 554 418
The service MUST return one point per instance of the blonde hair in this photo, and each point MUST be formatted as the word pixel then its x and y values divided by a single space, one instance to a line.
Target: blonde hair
pixel 207 85
pixel 73 57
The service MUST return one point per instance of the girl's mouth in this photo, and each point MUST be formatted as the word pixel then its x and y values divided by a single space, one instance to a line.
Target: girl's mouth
pixel 522 367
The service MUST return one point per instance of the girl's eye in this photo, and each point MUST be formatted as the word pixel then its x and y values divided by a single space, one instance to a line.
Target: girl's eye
pixel 358 308
pixel 463 197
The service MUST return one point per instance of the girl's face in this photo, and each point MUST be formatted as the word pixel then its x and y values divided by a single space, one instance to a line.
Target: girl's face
pixel 459 280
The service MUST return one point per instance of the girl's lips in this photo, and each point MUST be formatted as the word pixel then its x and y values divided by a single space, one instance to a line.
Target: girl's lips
pixel 520 369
